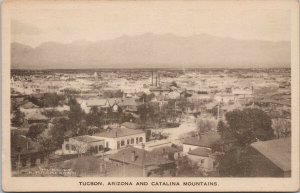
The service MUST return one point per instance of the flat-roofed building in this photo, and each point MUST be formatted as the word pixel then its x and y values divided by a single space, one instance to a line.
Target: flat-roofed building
pixel 271 158
pixel 82 144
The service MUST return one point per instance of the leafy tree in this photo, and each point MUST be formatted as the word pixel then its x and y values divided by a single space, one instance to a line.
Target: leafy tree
pixel 204 125
pixel 248 125
pixel 47 143
pixel 243 128
pixel 94 117
pixel 173 83
pixel 60 126
pixel 36 129
pixel 281 127
pixel 76 114
pixel 186 168
pixel 18 117
pixel 221 127
pixel 52 99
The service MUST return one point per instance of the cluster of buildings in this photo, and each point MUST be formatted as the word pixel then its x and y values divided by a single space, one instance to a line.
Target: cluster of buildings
pixel 123 149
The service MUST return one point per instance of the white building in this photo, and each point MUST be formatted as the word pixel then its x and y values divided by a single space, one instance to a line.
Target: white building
pixel 199 150
pixel 120 137
pixel 81 144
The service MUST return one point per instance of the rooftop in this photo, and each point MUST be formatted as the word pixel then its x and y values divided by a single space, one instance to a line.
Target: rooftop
pixel 206 140
pixel 204 152
pixel 142 157
pixel 277 151
pixel 118 132
pixel 87 139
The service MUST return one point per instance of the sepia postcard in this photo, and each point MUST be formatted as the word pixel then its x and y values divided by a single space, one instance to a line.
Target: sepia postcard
pixel 150 95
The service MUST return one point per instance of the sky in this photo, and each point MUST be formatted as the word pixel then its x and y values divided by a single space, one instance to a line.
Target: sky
pixel 33 25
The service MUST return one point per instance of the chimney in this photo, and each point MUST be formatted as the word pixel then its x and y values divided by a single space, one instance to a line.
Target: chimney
pixel 152 79
pixel 133 156
pixel 27 145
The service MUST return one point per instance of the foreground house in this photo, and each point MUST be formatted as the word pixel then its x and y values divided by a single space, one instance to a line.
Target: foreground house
pixel 139 162
pixel 199 150
pixel 120 137
pixel 271 158
pixel 82 144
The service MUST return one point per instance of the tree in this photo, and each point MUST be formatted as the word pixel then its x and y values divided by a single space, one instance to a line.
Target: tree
pixel 18 117
pixel 94 117
pixel 36 129
pixel 76 115
pixel 204 125
pixel 281 127
pixel 60 126
pixel 249 125
pixel 46 143
pixel 173 83
pixel 221 127
pixel 243 128
pixel 52 99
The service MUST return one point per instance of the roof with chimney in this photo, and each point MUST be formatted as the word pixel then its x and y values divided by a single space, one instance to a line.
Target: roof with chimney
pixel 277 151
pixel 115 132
pixel 139 157
pixel 87 139
pixel 207 139
pixel 200 151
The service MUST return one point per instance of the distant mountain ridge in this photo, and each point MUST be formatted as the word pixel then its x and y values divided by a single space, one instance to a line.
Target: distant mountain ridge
pixel 153 51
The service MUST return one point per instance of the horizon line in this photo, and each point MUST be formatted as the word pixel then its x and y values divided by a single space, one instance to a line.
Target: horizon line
pixel 155 34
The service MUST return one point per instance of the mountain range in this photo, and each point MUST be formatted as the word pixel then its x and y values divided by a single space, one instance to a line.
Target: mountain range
pixel 153 51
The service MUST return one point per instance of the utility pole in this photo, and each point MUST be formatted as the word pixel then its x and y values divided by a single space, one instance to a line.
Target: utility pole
pixel 143 161
pixel 218 111
pixel 124 164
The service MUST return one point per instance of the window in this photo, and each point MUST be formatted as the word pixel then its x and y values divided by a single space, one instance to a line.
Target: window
pixel 128 141
pixel 122 143
pixel 100 147
pixel 190 149
pixel 214 164
pixel 141 140
pixel 107 145
pixel 137 140
pixel 202 161
pixel 67 147
pixel 73 148
pixel 132 140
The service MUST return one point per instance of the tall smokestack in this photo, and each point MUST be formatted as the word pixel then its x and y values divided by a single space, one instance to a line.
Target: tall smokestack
pixel 158 79
pixel 152 79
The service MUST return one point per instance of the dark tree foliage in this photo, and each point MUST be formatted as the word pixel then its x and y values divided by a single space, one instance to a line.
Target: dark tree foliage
pixel 35 130
pixel 112 93
pixel 18 116
pixel 95 117
pixel 60 126
pixel 76 114
pixel 243 128
pixel 249 125
pixel 53 99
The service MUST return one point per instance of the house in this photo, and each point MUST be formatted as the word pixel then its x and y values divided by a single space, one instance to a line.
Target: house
pixel 139 162
pixel 225 98
pixel 82 144
pixel 25 153
pixel 128 105
pixel 199 150
pixel 271 158
pixel 119 137
pixel 100 104
pixel 35 117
